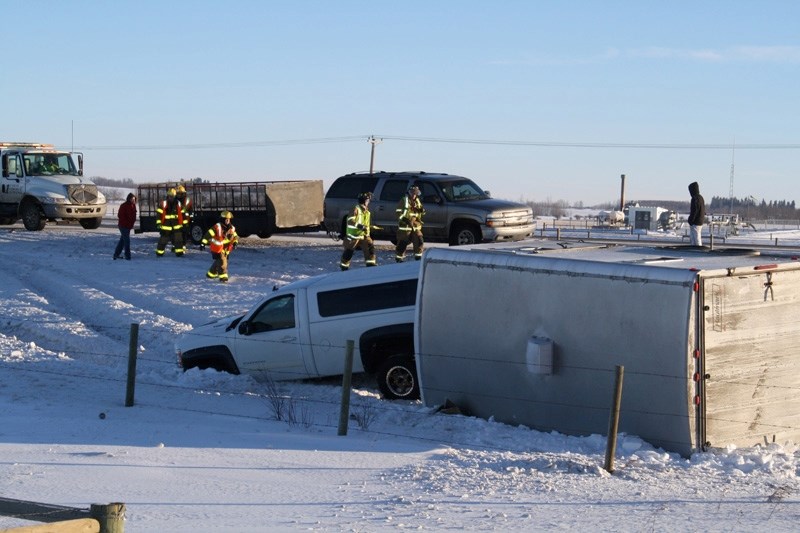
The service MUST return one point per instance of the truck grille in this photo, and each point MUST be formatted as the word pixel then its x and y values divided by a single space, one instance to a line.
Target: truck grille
pixel 82 194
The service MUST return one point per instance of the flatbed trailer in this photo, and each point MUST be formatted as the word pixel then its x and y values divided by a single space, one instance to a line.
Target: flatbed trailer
pixel 261 208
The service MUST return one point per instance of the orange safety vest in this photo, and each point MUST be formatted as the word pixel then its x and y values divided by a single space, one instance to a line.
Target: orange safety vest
pixel 221 239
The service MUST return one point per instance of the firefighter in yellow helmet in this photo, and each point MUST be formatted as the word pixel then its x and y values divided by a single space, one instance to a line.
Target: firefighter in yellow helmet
pixel 186 203
pixel 221 240
pixel 170 224
pixel 358 227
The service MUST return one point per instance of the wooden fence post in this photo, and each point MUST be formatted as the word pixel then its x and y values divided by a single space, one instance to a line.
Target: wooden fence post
pixel 111 517
pixel 613 421
pixel 347 377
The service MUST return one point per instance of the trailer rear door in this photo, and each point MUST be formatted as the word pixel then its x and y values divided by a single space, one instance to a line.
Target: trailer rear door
pixel 749 380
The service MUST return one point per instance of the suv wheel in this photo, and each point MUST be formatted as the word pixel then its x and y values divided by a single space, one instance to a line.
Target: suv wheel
pixel 397 378
pixel 462 234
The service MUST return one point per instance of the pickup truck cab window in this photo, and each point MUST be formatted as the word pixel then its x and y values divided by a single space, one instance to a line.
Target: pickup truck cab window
pixel 277 313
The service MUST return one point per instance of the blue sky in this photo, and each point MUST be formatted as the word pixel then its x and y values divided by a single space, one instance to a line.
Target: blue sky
pixel 534 100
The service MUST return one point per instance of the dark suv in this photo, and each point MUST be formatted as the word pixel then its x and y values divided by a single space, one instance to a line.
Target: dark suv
pixel 457 211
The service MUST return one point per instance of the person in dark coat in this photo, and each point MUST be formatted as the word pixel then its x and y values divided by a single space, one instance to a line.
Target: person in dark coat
pixel 697 215
pixel 127 218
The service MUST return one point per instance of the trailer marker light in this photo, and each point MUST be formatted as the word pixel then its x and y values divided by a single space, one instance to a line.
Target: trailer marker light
pixel 765 267
pixel 697 400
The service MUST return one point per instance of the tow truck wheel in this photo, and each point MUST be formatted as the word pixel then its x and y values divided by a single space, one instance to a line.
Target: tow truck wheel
pixel 32 216
pixel 397 378
pixel 91 223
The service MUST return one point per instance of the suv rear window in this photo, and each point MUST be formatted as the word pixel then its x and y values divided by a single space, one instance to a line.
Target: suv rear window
pixel 351 186
pixel 393 190
pixel 367 298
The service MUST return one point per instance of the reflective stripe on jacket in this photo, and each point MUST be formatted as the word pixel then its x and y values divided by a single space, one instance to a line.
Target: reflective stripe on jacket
pixel 170 217
pixel 409 214
pixel 360 215
pixel 219 239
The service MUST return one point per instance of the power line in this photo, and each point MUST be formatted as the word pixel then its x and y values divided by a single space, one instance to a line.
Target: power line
pixel 496 142
pixel 671 146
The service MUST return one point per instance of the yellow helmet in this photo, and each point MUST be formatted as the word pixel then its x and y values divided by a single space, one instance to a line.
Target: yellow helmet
pixel 171 192
pixel 181 188
pixel 226 214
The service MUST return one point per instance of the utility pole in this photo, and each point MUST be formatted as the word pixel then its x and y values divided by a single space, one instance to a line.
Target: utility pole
pixel 373 141
pixel 730 192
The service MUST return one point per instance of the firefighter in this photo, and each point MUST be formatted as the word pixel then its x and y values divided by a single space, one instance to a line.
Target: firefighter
pixel 222 239
pixel 409 224
pixel 186 202
pixel 358 228
pixel 170 224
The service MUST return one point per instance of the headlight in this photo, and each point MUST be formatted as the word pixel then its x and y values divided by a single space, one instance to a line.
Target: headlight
pixel 53 200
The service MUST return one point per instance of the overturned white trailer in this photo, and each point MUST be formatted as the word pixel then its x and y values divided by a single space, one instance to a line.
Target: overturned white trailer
pixel 531 334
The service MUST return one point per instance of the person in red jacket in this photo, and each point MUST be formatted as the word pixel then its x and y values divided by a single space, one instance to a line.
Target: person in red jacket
pixel 127 217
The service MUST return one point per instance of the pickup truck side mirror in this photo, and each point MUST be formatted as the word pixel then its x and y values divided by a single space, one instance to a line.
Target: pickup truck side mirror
pixel 244 328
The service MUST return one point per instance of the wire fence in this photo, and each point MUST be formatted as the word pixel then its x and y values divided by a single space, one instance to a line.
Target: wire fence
pixel 392 408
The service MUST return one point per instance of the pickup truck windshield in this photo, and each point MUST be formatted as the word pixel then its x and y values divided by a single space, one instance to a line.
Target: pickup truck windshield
pixel 48 164
pixel 461 190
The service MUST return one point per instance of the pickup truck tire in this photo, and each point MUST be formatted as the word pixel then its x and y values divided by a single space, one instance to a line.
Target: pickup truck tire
pixel 32 216
pixel 397 378
pixel 91 223
pixel 464 233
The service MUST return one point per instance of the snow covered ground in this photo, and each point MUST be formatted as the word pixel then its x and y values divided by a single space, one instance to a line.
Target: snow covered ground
pixel 202 451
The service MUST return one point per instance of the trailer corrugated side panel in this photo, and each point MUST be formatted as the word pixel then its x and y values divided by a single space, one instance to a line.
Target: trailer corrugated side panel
pixel 478 310
pixel 296 204
pixel 752 357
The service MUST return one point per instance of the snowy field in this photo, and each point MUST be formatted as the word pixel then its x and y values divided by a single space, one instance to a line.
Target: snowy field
pixel 202 451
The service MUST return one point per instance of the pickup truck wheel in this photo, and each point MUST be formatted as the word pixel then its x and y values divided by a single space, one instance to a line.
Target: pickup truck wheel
pixel 462 234
pixel 91 223
pixel 32 217
pixel 397 378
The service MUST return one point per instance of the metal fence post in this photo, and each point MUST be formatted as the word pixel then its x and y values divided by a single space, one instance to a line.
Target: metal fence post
pixel 134 342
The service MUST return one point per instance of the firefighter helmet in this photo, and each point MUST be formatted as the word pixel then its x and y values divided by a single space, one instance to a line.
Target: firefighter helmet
pixel 226 214
pixel 181 188
pixel 364 196
pixel 413 190
pixel 171 193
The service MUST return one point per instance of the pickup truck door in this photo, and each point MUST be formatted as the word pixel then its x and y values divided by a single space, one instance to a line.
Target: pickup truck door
pixel 269 342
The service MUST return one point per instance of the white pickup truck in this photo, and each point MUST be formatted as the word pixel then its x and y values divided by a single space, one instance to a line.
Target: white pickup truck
pixel 301 331
pixel 41 184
